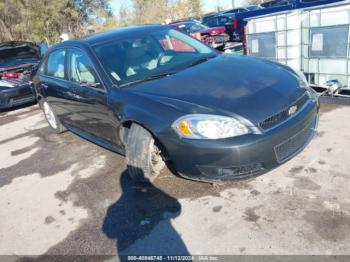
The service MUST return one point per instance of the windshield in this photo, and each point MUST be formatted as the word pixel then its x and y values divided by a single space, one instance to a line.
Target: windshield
pixel 142 57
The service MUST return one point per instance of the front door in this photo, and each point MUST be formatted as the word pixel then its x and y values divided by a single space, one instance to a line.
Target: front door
pixel 91 113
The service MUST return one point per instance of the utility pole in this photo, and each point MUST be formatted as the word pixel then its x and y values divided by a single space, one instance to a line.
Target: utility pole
pixel 233 4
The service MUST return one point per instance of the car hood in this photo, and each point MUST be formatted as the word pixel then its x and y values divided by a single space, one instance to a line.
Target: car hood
pixel 229 85
pixel 213 30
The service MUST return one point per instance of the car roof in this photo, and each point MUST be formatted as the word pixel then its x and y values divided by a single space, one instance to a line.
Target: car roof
pixel 235 9
pixel 228 15
pixel 190 19
pixel 109 35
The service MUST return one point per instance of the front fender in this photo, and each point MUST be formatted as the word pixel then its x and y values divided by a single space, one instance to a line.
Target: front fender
pixel 152 114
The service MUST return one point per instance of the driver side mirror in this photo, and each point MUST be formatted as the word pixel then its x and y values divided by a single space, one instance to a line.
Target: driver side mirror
pixel 43 48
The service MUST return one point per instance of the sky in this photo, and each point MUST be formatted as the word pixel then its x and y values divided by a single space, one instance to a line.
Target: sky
pixel 208 5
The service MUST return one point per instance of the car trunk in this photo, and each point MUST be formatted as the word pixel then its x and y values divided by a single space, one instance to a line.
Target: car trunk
pixel 18 60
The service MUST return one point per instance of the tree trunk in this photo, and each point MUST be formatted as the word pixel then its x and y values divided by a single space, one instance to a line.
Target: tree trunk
pixel 7 33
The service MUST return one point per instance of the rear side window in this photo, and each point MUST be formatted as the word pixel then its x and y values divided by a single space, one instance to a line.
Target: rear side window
pixel 81 69
pixel 55 64
pixel 212 22
pixel 223 20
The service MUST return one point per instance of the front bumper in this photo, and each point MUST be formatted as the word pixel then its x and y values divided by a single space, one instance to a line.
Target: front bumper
pixel 16 96
pixel 245 156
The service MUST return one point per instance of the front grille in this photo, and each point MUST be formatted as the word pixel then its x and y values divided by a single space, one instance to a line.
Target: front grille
pixel 232 172
pixel 283 115
pixel 293 145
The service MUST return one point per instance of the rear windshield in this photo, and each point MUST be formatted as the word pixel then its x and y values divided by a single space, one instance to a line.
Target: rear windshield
pixel 143 56
pixel 10 51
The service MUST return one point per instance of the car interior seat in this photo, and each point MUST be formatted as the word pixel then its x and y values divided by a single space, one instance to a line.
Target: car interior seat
pixel 137 59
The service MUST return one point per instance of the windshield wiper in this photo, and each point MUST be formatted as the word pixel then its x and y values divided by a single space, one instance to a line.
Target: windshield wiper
pixel 156 76
pixel 148 78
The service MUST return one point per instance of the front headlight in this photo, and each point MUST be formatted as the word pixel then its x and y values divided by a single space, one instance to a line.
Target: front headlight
pixel 201 126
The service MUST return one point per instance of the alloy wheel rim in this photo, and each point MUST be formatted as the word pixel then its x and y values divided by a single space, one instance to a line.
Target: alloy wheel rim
pixel 50 115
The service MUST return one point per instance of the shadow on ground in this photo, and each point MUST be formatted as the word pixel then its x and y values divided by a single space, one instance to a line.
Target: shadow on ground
pixel 140 208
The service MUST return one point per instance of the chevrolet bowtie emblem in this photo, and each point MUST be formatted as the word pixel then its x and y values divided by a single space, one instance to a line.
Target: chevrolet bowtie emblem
pixel 292 110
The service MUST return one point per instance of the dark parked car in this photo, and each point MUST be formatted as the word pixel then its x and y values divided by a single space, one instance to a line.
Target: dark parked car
pixel 158 95
pixel 243 9
pixel 274 3
pixel 215 37
pixel 207 16
pixel 18 62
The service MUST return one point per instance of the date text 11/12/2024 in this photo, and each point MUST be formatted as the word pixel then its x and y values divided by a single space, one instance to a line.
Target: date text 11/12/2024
pixel 173 258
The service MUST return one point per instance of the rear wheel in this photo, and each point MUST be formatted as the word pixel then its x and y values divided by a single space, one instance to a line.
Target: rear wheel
pixel 51 117
pixel 143 156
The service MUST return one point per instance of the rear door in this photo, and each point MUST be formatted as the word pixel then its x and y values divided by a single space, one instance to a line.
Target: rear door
pixel 91 113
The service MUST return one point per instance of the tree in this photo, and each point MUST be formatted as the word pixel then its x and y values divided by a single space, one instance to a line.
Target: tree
pixel 124 16
pixel 195 7
pixel 36 20
pixel 150 11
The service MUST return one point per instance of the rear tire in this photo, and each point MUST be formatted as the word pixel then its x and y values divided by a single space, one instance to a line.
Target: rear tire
pixel 143 156
pixel 53 121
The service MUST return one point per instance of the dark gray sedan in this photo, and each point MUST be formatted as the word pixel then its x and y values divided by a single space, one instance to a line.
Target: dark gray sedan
pixel 159 96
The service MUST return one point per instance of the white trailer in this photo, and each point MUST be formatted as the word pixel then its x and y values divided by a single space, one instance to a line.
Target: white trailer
pixel 313 40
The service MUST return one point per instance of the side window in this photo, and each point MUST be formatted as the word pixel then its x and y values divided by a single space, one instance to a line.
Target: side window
pixel 222 20
pixel 212 22
pixel 55 64
pixel 81 69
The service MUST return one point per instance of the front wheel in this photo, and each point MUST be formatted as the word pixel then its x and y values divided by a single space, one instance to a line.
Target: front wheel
pixel 51 117
pixel 143 156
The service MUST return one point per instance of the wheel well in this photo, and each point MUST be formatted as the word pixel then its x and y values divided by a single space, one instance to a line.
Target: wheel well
pixel 124 131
